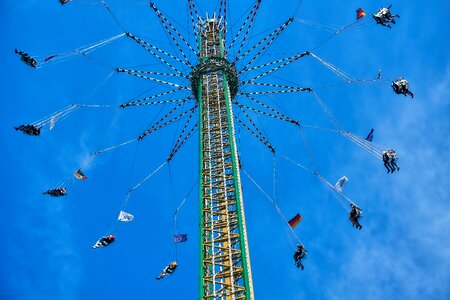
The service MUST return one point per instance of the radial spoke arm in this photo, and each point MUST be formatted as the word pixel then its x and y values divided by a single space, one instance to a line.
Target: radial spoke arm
pixel 194 19
pixel 182 142
pixel 136 102
pixel 256 132
pixel 251 17
pixel 169 28
pixel 259 137
pixel 160 123
pixel 161 120
pixel 142 103
pixel 281 86
pixel 274 113
pixel 182 138
pixel 282 60
pixel 281 118
pixel 276 68
pixel 268 40
pixel 223 13
pixel 265 105
pixel 154 73
pixel 150 48
pixel 295 90
pixel 129 72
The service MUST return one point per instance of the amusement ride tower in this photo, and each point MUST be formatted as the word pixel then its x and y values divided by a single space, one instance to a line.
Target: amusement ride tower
pixel 225 271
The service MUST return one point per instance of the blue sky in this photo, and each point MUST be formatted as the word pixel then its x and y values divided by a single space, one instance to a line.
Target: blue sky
pixel 403 250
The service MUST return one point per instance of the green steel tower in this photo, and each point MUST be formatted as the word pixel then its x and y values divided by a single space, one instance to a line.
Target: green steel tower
pixel 225 271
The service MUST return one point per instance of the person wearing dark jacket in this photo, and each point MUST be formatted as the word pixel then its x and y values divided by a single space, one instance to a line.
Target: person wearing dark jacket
pixel 355 214
pixel 104 241
pixel 168 270
pixel 299 255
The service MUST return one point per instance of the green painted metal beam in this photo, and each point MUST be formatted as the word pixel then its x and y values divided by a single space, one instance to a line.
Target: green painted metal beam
pixel 237 186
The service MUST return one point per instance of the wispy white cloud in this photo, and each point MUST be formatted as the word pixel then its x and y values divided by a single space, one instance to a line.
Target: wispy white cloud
pixel 408 256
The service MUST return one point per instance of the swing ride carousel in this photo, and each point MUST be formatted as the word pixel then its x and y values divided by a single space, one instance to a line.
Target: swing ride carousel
pixel 218 80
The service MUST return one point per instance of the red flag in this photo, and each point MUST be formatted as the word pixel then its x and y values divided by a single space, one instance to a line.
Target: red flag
pixel 295 220
pixel 80 175
pixel 360 13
